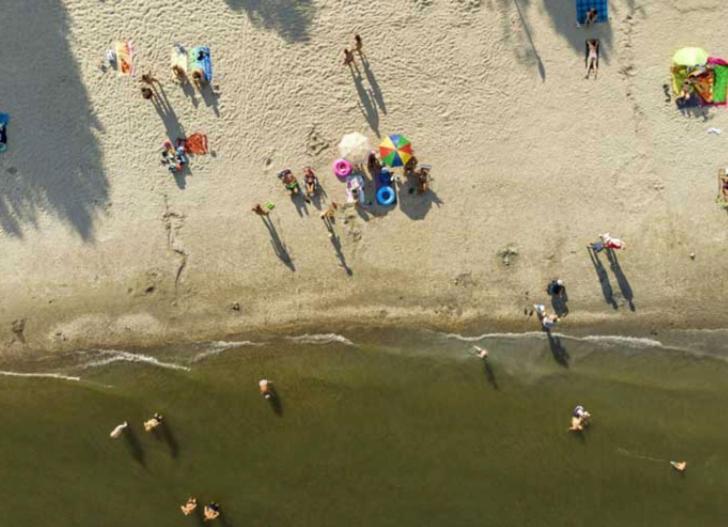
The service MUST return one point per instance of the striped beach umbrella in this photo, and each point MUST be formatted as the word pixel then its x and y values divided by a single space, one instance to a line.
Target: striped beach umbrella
pixel 395 150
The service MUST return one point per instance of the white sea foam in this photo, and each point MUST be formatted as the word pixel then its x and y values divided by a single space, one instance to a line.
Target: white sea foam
pixel 484 336
pixel 217 347
pixel 40 375
pixel 112 356
pixel 636 342
pixel 321 338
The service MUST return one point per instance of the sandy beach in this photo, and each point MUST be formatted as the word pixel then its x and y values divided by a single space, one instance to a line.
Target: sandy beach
pixel 101 246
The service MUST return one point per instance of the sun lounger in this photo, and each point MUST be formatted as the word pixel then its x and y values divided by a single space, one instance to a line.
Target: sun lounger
pixel 582 6
pixel 722 198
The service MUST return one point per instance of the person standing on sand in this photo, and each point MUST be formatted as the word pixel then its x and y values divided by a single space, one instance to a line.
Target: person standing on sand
pixel 358 45
pixel 556 288
pixel 547 321
pixel 147 93
pixel 349 59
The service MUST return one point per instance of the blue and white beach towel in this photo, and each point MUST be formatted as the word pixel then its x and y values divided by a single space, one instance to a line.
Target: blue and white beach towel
pixel 582 6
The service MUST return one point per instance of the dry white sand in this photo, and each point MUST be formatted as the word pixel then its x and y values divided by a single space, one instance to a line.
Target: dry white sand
pixel 100 245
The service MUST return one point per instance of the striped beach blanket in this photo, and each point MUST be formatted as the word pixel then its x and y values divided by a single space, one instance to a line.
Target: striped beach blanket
pixel 582 6
pixel 125 58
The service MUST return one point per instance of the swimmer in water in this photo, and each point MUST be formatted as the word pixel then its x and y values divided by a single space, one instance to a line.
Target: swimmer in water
pixel 189 507
pixel 579 419
pixel 211 511
pixel 116 432
pixel 482 352
pixel 266 388
pixel 680 466
pixel 153 423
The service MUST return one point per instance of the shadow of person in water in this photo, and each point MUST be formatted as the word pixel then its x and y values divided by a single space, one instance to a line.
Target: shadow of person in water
pixel 164 433
pixel 336 242
pixel 490 374
pixel 622 281
pixel 134 446
pixel 603 278
pixel 275 401
pixel 561 356
pixel 278 246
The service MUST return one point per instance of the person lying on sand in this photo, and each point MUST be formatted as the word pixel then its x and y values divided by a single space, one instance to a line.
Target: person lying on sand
pixel 211 511
pixel 153 423
pixel 592 57
pixel 189 507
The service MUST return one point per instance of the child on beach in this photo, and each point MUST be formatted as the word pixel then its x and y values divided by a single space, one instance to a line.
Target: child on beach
pixel 349 58
pixel 358 45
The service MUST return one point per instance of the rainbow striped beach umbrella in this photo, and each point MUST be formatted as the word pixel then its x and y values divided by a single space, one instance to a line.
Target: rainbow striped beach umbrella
pixel 395 150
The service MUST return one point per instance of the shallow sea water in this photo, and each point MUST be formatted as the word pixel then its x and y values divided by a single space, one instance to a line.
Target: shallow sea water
pixel 375 428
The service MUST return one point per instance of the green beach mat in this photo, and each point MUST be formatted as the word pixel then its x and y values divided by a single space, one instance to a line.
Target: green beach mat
pixel 720 84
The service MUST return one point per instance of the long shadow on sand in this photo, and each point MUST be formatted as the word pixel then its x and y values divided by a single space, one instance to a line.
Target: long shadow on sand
pixel 367 104
pixel 622 281
pixel 289 18
pixel 603 277
pixel 278 246
pixel 53 163
pixel 416 206
pixel 336 243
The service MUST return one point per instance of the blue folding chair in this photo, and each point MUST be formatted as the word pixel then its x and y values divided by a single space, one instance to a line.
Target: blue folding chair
pixel 582 6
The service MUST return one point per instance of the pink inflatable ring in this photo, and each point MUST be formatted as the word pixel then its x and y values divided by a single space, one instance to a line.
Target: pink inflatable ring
pixel 342 168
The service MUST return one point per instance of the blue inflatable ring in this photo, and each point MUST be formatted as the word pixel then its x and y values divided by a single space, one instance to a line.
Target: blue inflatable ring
pixel 386 196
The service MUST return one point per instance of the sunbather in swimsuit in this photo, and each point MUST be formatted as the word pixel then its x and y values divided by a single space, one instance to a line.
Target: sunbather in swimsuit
pixel 592 57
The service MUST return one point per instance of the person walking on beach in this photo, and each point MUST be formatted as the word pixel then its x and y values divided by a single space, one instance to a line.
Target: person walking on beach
pixel 358 45
pixel 556 288
pixel 147 93
pixel 153 423
pixel 116 432
pixel 260 211
pixel 592 57
pixel 349 59
pixel 189 507
pixel 606 241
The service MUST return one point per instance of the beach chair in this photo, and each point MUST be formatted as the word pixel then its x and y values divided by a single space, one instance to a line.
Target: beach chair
pixel 582 6
pixel 722 198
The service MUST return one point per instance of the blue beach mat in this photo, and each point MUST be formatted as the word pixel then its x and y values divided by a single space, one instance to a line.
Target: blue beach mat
pixel 582 6
pixel 4 120
pixel 199 58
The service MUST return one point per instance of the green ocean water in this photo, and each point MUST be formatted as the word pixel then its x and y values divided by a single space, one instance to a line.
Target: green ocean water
pixel 384 429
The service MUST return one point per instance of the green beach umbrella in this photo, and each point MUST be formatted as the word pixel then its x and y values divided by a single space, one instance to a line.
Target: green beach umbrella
pixel 690 57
